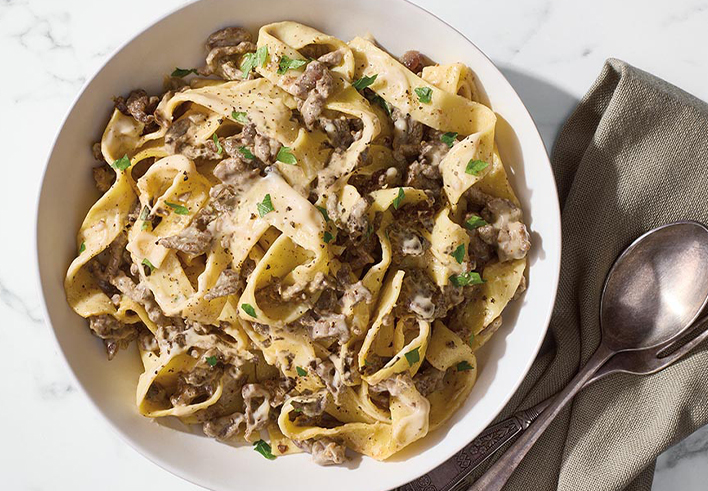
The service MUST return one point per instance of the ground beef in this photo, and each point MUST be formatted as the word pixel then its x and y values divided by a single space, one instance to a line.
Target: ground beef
pixel 407 135
pixel 256 399
pixel 195 386
pixel 325 451
pixel 421 297
pixel 329 375
pixel 181 138
pixel 505 230
pixel 228 36
pixel 429 380
pixel 115 334
pixel 138 105
pixel 104 177
pixel 224 428
pixel 414 61
pixel 228 283
pixel 341 131
pixel 191 240
pixel 313 87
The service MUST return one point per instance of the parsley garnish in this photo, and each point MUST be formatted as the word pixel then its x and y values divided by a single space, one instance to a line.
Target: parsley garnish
pixel 246 153
pixel 364 82
pixel 264 449
pixel 253 60
pixel 464 279
pixel 219 149
pixel 323 210
pixel 413 356
pixel 212 360
pixel 463 366
pixel 459 253
pixel 286 156
pixel 425 94
pixel 240 116
pixel 286 63
pixel 471 339
pixel 144 213
pixel 449 138
pixel 265 206
pixel 183 72
pixel 179 209
pixel 122 163
pixel 377 99
pixel 397 200
pixel 82 247
pixel 146 262
pixel 248 308
pixel 475 221
pixel 474 167
pixel 301 371
pixel 327 237
pixel 369 231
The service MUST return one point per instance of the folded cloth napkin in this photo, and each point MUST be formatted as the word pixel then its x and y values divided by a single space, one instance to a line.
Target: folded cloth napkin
pixel 631 157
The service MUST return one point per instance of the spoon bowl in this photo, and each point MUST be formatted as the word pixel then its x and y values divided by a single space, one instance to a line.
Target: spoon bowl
pixel 656 288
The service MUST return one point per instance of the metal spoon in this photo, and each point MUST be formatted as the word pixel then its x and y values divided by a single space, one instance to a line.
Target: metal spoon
pixel 654 291
pixel 453 473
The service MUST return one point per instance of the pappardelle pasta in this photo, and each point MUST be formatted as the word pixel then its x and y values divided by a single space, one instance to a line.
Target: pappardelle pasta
pixel 309 239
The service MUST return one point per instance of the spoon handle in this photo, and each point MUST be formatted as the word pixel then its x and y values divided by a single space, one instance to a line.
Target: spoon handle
pixel 498 474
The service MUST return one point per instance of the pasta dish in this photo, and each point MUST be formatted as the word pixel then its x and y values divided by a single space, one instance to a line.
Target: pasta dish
pixel 308 240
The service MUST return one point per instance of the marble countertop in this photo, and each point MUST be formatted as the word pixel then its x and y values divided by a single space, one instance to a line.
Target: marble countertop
pixel 550 50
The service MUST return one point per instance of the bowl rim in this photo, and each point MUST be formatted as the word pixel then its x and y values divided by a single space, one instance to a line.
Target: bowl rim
pixel 156 458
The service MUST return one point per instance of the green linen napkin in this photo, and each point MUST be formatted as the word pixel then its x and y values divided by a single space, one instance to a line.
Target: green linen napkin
pixel 633 155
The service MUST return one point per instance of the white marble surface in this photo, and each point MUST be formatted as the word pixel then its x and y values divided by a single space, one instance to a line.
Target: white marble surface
pixel 551 50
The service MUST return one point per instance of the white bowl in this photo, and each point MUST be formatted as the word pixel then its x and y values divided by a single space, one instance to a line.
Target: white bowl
pixel 67 193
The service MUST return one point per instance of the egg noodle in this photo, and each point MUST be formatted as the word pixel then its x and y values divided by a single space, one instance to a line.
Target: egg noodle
pixel 309 240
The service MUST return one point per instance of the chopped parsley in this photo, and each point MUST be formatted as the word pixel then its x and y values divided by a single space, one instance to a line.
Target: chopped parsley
pixel 475 221
pixel 286 63
pixel 413 356
pixel 82 247
pixel 464 366
pixel 265 206
pixel 212 360
pixel 364 82
pixel 246 153
pixel 144 213
pixel 474 167
pixel 146 262
pixel 377 99
pixel 253 60
pixel 323 210
pixel 369 231
pixel 471 339
pixel 264 449
pixel 301 371
pixel 464 279
pixel 425 94
pixel 179 209
pixel 183 72
pixel 286 156
pixel 219 148
pixel 459 253
pixel 397 200
pixel 122 163
pixel 327 237
pixel 248 308
pixel 240 116
pixel 449 138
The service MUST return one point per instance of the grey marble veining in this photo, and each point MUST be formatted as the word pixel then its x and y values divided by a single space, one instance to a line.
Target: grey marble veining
pixel 550 50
